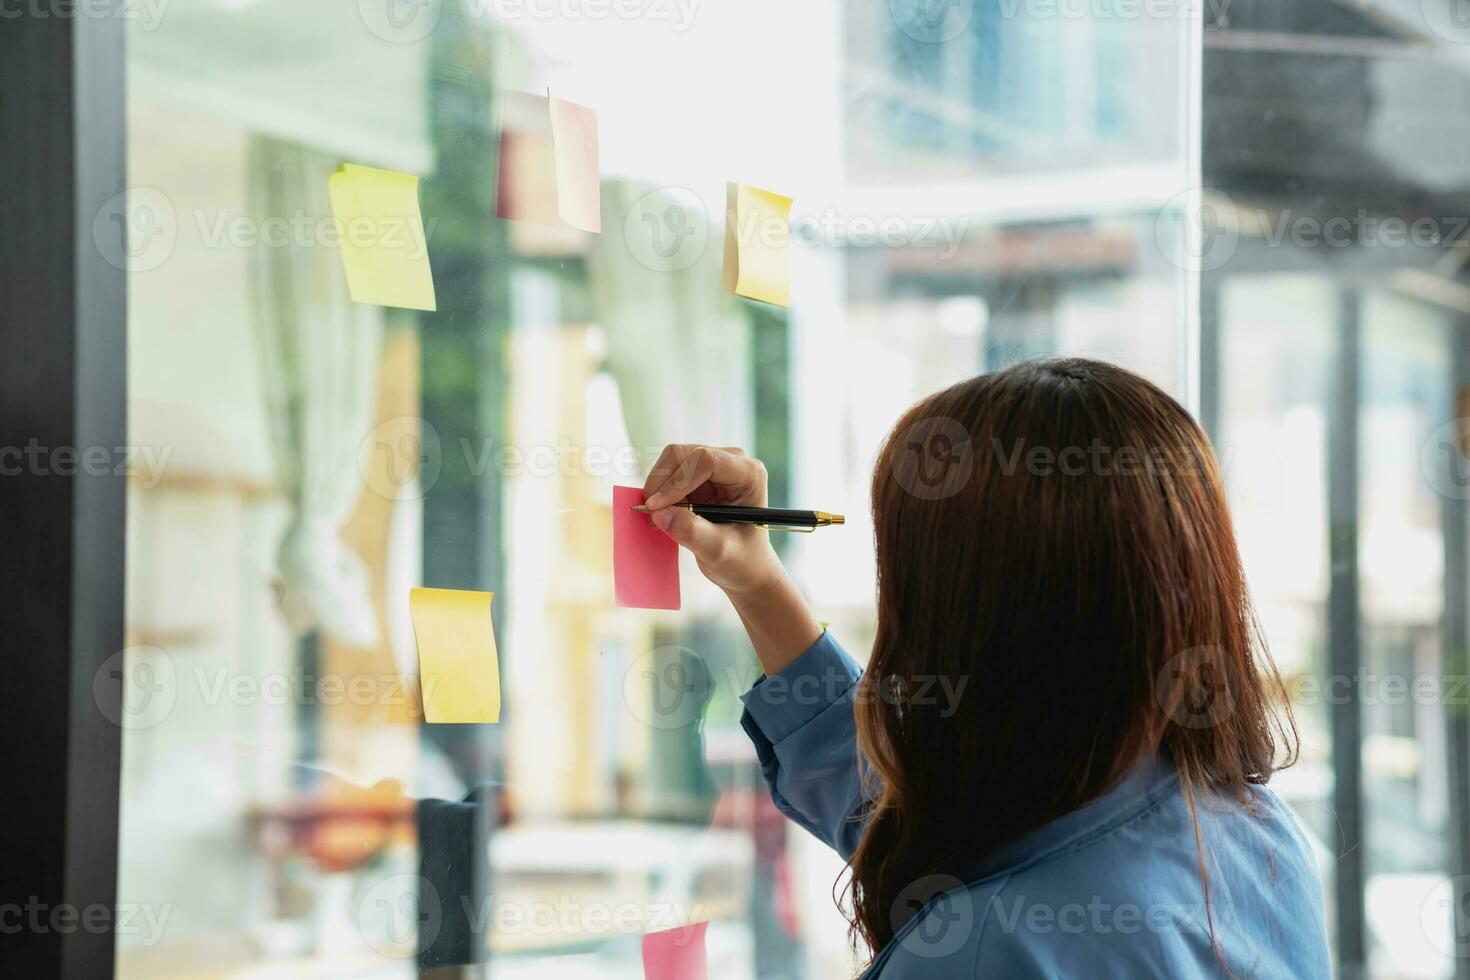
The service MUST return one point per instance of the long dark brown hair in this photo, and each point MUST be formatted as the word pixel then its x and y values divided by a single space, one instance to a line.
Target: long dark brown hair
pixel 1055 537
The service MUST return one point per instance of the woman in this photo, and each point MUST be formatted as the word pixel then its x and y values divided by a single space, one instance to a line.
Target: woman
pixel 1055 762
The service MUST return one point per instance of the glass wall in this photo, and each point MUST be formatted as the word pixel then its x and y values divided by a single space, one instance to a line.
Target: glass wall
pixel 1333 304
pixel 1261 206
pixel 971 188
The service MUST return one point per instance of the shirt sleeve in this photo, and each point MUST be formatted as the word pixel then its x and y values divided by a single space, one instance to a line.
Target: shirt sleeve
pixel 801 721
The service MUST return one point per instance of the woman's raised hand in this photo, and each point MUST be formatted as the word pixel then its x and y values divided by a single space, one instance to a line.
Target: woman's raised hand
pixel 736 557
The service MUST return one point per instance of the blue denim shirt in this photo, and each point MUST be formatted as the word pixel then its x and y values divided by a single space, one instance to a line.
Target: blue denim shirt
pixel 1110 890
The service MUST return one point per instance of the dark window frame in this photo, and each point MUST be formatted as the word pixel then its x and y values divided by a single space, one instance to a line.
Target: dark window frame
pixel 63 383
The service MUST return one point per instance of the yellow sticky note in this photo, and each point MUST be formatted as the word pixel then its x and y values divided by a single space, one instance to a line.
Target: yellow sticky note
pixel 385 252
pixel 459 669
pixel 757 244
pixel 578 176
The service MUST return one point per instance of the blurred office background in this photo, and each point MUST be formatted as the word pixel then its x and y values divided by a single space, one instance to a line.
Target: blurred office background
pixel 1157 185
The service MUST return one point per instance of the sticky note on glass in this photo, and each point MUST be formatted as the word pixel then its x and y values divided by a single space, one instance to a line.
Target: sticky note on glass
pixel 676 954
pixel 385 252
pixel 549 171
pixel 578 177
pixel 645 559
pixel 459 669
pixel 758 244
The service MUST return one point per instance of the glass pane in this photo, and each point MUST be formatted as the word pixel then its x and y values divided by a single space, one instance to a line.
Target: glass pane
pixel 316 458
pixel 1405 397
pixel 1337 192
pixel 1272 442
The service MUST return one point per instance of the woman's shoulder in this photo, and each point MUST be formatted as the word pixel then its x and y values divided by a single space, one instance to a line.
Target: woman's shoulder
pixel 1126 890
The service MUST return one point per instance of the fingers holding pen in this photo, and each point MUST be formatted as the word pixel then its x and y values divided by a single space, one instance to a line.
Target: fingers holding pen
pixel 703 539
pixel 723 474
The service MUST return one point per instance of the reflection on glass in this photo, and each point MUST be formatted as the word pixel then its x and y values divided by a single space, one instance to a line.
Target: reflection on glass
pixel 283 800
pixel 1405 396
pixel 1272 446
pixel 1336 287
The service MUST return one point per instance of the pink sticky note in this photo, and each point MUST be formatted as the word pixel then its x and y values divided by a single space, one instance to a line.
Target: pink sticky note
pixel 676 954
pixel 578 179
pixel 645 559
pixel 528 170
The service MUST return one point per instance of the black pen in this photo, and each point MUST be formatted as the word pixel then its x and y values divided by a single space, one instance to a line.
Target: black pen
pixel 775 518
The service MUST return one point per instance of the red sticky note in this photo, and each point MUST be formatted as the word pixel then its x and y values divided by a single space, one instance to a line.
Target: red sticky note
pixel 676 954
pixel 645 559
